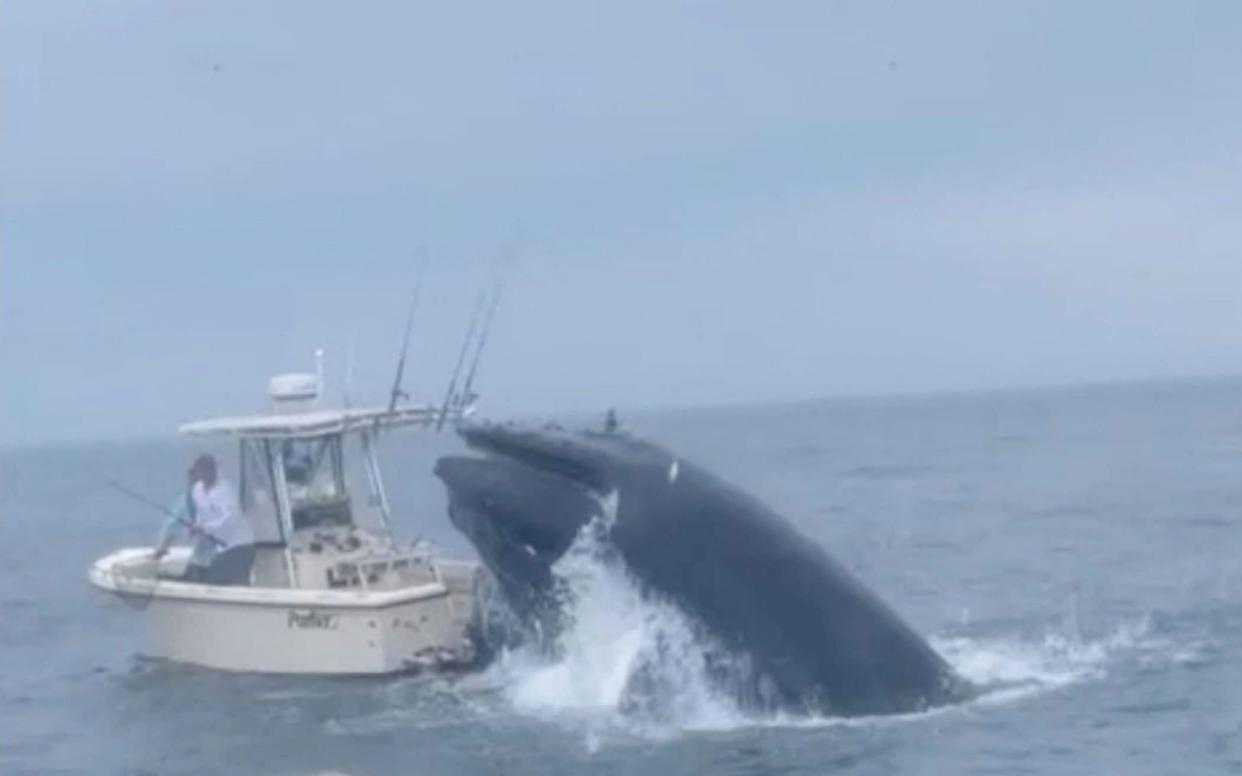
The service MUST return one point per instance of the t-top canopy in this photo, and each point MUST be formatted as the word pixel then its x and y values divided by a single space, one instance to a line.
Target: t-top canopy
pixel 320 422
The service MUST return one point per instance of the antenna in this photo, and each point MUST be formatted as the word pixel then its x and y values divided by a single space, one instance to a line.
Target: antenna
pixel 349 373
pixel 397 392
pixel 461 357
pixel 318 375
pixel 467 394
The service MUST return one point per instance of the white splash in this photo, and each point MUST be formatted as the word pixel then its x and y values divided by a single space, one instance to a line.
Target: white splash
pixel 627 664
pixel 618 653
pixel 1009 668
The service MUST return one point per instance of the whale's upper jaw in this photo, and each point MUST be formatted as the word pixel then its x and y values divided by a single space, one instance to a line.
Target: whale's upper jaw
pixel 548 450
pixel 499 500
pixel 596 460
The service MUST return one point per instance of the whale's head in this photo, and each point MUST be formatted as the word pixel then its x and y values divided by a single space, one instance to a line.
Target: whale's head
pixel 519 518
pixel 526 493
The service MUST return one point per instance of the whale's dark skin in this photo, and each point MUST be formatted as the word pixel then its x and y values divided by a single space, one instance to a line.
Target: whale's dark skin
pixel 816 639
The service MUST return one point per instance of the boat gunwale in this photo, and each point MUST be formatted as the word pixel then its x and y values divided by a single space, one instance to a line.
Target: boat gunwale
pixel 103 575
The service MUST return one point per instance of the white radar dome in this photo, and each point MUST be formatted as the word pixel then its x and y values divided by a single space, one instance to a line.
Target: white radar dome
pixel 293 391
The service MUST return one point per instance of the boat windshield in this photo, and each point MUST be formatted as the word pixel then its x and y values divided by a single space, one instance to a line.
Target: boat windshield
pixel 258 494
pixel 315 477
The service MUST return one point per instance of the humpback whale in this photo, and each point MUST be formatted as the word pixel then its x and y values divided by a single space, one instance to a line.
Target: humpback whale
pixel 813 638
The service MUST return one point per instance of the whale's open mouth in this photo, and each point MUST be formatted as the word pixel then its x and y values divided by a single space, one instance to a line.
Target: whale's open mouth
pixel 537 487
pixel 521 499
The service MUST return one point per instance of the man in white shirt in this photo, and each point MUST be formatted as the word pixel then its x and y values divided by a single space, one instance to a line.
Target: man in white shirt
pixel 202 547
pixel 218 515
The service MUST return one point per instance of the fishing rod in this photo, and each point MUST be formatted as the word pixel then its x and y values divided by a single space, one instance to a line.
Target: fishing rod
pixel 120 487
pixel 461 358
pixel 397 392
pixel 467 394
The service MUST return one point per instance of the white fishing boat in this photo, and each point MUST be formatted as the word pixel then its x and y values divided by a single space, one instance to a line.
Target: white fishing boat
pixel 331 591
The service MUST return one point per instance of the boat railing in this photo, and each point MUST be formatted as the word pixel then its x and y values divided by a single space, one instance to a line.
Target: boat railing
pixel 398 569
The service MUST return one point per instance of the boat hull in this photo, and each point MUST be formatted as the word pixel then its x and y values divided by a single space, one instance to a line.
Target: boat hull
pixel 283 631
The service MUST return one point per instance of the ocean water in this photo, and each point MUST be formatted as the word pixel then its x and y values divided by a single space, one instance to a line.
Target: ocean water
pixel 1076 552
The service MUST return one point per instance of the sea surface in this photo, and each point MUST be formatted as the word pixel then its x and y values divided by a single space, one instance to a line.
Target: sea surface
pixel 1076 552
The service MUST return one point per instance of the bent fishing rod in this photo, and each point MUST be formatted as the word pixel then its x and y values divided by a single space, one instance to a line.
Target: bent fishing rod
pixel 121 487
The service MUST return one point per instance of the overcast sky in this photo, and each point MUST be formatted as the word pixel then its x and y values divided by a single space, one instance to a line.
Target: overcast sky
pixel 693 203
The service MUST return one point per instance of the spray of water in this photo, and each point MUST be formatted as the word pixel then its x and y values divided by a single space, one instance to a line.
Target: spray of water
pixel 621 659
pixel 1008 668
pixel 625 662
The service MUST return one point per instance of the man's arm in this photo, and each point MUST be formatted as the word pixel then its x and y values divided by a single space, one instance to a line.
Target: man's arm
pixel 178 518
